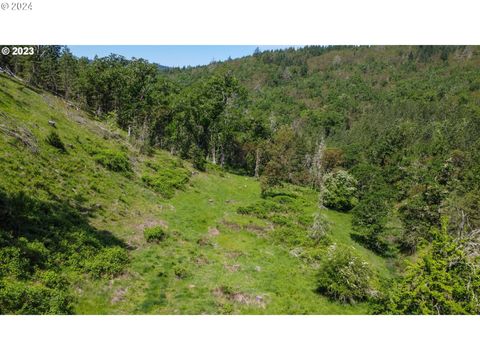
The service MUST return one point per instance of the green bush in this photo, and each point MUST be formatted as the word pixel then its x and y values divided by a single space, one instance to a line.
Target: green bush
pixel 13 263
pixel 290 235
pixel 166 181
pixel 113 160
pixel 198 159
pixel 345 276
pixel 367 176
pixel 33 299
pixel 54 140
pixel 339 191
pixel 320 228
pixel 108 262
pixel 280 219
pixel 368 223
pixel 443 281
pixel 262 209
pixel 418 215
pixel 181 271
pixel 154 234
pixel 44 247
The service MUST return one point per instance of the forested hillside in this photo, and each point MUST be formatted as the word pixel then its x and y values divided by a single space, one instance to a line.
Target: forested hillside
pixel 315 180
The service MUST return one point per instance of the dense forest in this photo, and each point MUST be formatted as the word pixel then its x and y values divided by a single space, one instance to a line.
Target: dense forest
pixel 366 160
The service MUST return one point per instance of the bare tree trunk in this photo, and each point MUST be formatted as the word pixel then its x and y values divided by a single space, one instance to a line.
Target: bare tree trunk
pixel 316 169
pixel 257 162
pixel 222 157
pixel 214 154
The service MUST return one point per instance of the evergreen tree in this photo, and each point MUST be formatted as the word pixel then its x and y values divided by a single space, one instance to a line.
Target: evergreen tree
pixel 442 281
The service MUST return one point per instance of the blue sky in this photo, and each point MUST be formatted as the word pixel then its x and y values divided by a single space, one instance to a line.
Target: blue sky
pixel 172 55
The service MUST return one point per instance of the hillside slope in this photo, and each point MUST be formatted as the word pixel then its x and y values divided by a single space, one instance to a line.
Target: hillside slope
pixel 73 218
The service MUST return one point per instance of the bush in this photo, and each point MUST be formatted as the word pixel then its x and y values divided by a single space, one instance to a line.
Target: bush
pixel 54 140
pixel 344 276
pixel 290 235
pixel 198 159
pixel 13 263
pixel 444 280
pixel 154 234
pixel 166 181
pixel 181 271
pixel 262 209
pixel 320 228
pixel 280 219
pixel 418 216
pixel 108 262
pixel 368 223
pixel 339 191
pixel 33 299
pixel 267 183
pixel 368 176
pixel 332 158
pixel 113 160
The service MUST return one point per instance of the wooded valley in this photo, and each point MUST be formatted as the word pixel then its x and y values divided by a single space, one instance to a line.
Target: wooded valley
pixel 313 180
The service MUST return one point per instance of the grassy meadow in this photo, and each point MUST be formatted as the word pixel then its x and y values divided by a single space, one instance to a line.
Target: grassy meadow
pixel 225 250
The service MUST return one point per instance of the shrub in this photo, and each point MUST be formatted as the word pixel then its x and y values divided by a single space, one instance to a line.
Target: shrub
pixel 181 271
pixel 166 181
pixel 267 183
pixel 113 160
pixel 444 280
pixel 33 299
pixel 108 262
pixel 154 234
pixel 54 140
pixel 367 176
pixel 290 235
pixel 419 215
pixel 320 228
pixel 339 191
pixel 262 209
pixel 344 276
pixel 332 158
pixel 13 263
pixel 198 159
pixel 368 223
pixel 280 219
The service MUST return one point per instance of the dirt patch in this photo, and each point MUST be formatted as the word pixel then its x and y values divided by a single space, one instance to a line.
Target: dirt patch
pixel 240 297
pixel 233 254
pixel 203 241
pixel 253 228
pixel 79 119
pixel 9 126
pixel 201 260
pixel 247 299
pixel 118 295
pixel 232 268
pixel 213 232
pixel 152 223
pixel 137 234
pixel 231 225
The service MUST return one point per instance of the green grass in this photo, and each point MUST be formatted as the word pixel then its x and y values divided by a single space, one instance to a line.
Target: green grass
pixel 341 234
pixel 218 248
pixel 214 260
